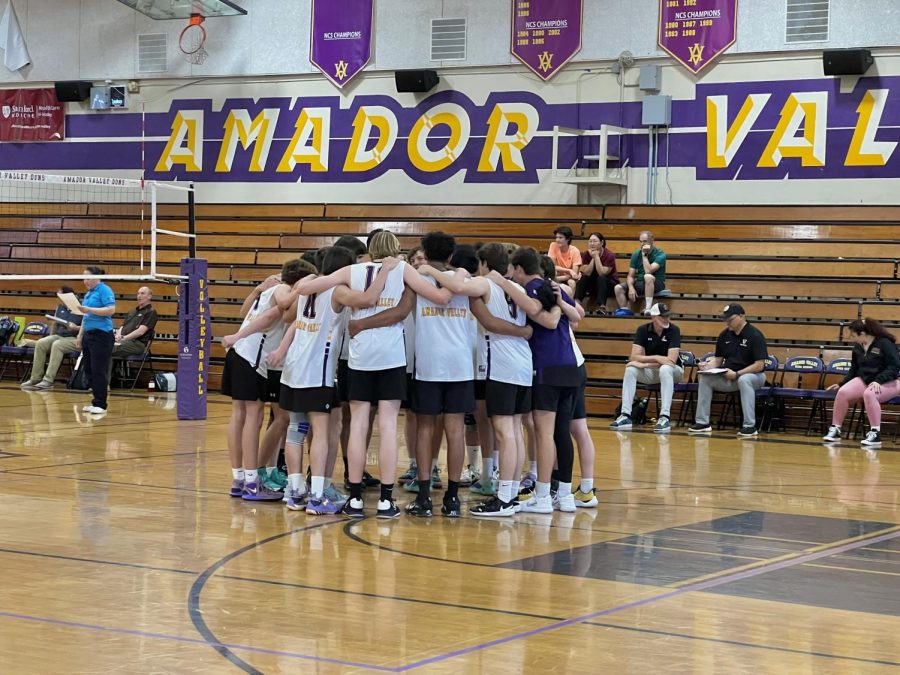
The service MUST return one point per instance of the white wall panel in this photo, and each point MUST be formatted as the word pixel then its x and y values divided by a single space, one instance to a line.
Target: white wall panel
pixel 487 31
pixel 52 39
pixel 403 33
pixel 612 26
pixel 280 37
pixel 107 41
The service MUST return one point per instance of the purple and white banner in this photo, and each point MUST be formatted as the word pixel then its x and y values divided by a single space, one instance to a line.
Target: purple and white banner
pixel 341 37
pixel 546 34
pixel 695 32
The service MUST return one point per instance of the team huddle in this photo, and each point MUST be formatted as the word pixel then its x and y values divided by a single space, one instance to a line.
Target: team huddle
pixel 453 334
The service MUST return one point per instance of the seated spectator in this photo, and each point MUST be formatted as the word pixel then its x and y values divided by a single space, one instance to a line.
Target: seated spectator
pixel 872 378
pixel 57 345
pixel 741 353
pixel 565 256
pixel 132 337
pixel 646 275
pixel 598 273
pixel 654 360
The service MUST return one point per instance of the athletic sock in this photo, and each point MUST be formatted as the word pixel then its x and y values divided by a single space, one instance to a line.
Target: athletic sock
pixel 648 302
pixel 296 482
pixel 237 474
pixel 387 492
pixel 472 452
pixel 495 455
pixel 452 490
pixel 318 486
pixel 532 468
pixel 587 484
pixel 424 491
pixel 516 485
pixel 487 468
pixel 356 491
pixel 565 489
pixel 270 469
pixel 328 483
pixel 541 489
pixel 506 491
pixel 251 476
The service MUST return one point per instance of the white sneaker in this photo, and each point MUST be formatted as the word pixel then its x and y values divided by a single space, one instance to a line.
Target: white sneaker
pixel 469 476
pixel 622 423
pixel 566 504
pixel 539 505
pixel 833 435
pixel 94 410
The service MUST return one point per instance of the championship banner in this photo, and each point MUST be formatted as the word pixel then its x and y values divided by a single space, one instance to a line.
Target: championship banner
pixel 546 34
pixel 31 115
pixel 695 32
pixel 341 35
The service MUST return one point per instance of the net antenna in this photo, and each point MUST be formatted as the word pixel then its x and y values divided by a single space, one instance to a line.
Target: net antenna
pixel 192 40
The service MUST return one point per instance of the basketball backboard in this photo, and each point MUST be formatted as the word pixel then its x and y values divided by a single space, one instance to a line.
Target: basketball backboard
pixel 183 9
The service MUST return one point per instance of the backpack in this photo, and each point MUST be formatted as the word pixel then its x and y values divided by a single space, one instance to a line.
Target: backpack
pixel 8 329
pixel 78 380
pixel 638 410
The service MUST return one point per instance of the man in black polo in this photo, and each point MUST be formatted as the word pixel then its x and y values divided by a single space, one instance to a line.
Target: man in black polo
pixel 654 360
pixel 738 365
pixel 135 332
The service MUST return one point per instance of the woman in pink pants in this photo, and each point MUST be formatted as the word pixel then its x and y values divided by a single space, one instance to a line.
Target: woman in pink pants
pixel 872 378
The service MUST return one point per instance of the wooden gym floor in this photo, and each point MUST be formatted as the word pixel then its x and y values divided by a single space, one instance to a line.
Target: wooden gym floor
pixel 121 552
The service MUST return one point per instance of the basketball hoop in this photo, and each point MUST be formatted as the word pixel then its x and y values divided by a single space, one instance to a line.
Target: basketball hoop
pixel 192 39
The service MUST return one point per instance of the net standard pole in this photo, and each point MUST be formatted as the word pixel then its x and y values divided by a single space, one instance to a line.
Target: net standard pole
pixel 192 225
pixel 152 229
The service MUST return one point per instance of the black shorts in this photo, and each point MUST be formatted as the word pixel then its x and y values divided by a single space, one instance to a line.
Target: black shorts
pixel 405 403
pixel 479 389
pixel 639 287
pixel 377 385
pixel 434 398
pixel 560 400
pixel 343 380
pixel 273 384
pixel 240 381
pixel 507 399
pixel 309 399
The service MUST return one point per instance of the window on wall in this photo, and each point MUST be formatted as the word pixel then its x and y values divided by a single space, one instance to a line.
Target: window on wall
pixel 807 21
pixel 448 39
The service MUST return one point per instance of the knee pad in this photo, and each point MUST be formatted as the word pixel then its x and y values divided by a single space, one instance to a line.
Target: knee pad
pixel 298 428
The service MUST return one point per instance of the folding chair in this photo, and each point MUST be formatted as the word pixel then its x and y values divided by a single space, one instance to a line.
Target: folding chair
pixel 820 397
pixel 140 360
pixel 10 354
pixel 801 369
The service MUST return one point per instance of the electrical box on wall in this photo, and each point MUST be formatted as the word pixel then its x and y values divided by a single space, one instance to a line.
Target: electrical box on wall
pixel 650 78
pixel 656 111
pixel 110 97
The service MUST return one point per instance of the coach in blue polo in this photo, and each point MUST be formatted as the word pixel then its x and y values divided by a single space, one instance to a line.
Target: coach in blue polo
pixel 738 365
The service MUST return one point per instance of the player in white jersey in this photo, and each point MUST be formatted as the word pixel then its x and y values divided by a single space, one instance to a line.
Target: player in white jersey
pixel 507 358
pixel 245 380
pixel 307 384
pixel 377 367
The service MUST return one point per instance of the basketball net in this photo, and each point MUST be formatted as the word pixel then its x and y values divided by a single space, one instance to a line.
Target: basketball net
pixel 192 40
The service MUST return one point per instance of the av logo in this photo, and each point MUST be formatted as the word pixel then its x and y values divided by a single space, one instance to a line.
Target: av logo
pixel 545 61
pixel 696 53
pixel 340 69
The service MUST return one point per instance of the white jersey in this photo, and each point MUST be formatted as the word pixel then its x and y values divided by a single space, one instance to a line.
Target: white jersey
pixel 505 358
pixel 409 336
pixel 311 359
pixel 254 348
pixel 579 357
pixel 378 348
pixel 445 340
pixel 345 336
pixel 480 356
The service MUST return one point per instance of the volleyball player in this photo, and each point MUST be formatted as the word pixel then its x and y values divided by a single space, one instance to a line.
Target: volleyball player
pixel 556 374
pixel 307 383
pixel 245 380
pixel 377 367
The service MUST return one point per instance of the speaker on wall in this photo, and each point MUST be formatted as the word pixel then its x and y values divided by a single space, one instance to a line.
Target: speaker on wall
pixel 415 80
pixel 72 91
pixel 846 61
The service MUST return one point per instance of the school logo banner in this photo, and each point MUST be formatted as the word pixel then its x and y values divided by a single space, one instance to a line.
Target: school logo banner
pixel 341 38
pixel 695 32
pixel 546 34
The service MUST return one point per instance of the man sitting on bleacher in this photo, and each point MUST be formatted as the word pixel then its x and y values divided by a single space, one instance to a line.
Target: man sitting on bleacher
pixel 741 353
pixel 56 346
pixel 646 276
pixel 135 332
pixel 654 360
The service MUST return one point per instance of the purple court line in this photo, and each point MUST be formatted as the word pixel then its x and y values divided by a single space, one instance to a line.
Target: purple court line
pixel 700 586
pixel 195 641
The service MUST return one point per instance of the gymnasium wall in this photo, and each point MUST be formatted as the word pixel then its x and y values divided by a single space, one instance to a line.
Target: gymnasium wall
pixel 761 126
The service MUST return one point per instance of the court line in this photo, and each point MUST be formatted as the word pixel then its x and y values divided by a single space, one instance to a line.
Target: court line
pixel 773 566
pixel 738 643
pixel 189 640
pixel 121 483
pixel 115 459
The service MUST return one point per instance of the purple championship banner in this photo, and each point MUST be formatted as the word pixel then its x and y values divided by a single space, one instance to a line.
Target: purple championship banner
pixel 194 341
pixel 341 38
pixel 695 32
pixel 546 34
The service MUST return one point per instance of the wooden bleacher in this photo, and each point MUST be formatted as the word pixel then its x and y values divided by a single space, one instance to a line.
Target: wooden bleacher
pixel 802 273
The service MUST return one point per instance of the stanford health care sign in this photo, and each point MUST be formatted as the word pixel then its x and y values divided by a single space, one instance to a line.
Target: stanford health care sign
pixel 696 31
pixel 546 34
pixel 341 36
